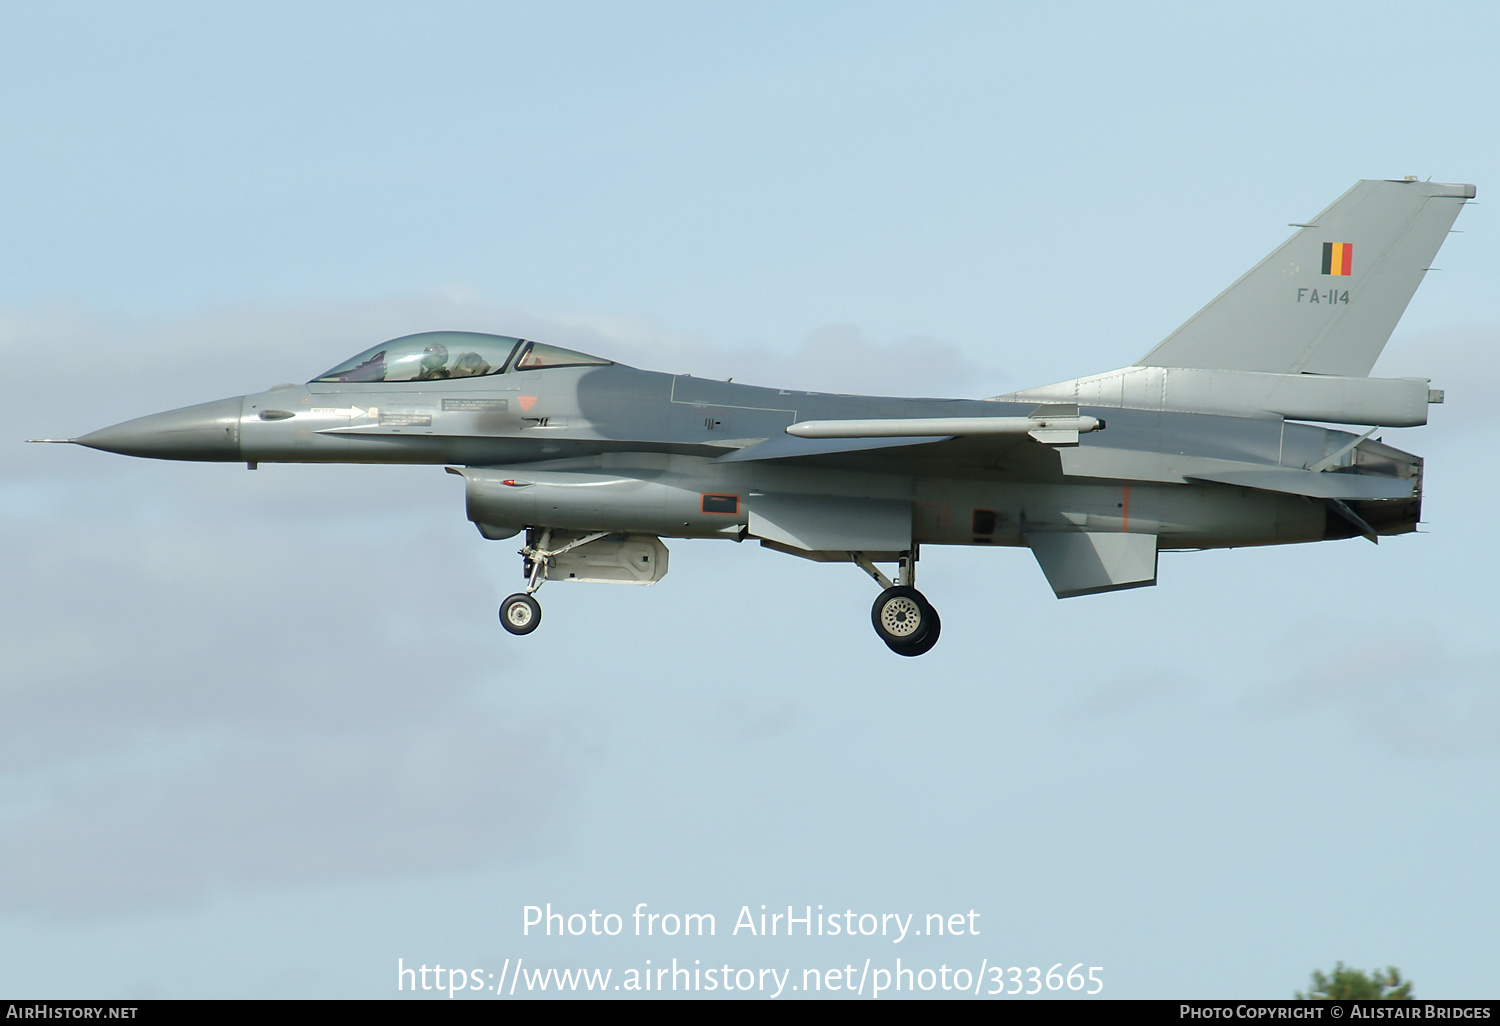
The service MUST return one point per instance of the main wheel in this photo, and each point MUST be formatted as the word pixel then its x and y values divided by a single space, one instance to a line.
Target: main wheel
pixel 520 613
pixel 902 617
pixel 925 645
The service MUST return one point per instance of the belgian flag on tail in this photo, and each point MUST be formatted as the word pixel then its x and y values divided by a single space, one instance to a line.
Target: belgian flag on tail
pixel 1338 257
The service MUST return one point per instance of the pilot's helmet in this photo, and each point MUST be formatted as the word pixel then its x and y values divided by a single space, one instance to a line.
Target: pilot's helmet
pixel 434 357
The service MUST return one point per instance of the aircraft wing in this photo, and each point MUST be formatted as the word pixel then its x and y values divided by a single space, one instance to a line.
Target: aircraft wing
pixel 979 437
pixel 790 446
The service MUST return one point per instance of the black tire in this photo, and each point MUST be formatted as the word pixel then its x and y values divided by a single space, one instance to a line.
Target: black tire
pixel 925 645
pixel 520 614
pixel 902 617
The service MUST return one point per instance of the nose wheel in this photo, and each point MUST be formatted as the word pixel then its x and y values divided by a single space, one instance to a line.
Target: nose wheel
pixel 520 614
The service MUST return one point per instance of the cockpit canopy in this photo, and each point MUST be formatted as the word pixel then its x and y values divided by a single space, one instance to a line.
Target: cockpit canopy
pixel 438 355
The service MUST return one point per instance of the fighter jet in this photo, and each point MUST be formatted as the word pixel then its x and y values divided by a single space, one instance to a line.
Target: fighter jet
pixel 1213 439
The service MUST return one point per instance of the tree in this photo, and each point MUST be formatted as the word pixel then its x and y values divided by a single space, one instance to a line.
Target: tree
pixel 1354 984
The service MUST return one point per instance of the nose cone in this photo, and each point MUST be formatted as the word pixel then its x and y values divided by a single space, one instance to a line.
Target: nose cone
pixel 208 431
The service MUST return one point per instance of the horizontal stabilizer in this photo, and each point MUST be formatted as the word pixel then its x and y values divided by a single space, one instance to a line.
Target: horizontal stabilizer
pixel 831 522
pixel 1312 483
pixel 1089 562
pixel 1327 300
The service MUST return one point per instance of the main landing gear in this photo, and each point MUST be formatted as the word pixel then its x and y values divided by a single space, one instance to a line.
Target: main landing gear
pixel 520 613
pixel 903 617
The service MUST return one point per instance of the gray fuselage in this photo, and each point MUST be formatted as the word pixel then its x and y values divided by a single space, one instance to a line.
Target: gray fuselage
pixel 614 448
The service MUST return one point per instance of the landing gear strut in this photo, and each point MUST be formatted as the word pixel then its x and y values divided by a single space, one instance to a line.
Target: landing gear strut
pixel 903 617
pixel 520 613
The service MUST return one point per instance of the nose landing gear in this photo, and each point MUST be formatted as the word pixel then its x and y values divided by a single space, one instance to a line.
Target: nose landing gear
pixel 520 613
pixel 902 616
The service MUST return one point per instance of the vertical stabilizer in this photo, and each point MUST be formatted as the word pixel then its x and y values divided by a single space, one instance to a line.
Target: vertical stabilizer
pixel 1327 300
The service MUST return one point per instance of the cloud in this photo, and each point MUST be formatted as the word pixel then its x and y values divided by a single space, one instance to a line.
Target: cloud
pixel 832 358
pixel 171 820
pixel 1159 691
pixel 1397 685
pixel 196 704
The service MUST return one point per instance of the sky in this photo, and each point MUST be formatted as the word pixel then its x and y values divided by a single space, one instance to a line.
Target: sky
pixel 262 734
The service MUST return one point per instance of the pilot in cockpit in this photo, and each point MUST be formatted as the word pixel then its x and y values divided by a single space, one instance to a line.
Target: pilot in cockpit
pixel 459 354
pixel 434 363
